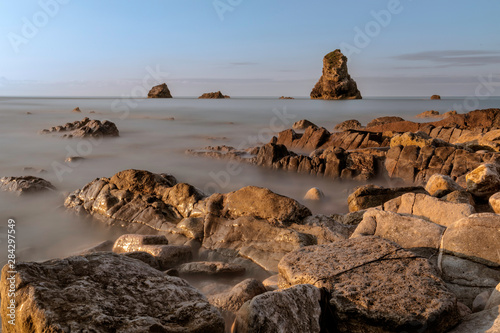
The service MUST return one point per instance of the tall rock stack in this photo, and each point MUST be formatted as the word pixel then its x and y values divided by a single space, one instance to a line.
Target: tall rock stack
pixel 335 83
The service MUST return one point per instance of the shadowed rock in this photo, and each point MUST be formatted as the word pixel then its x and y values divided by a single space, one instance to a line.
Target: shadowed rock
pixel 160 91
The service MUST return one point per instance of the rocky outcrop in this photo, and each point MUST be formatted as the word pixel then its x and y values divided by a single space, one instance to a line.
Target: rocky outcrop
pixel 367 196
pixel 104 292
pixel 25 184
pixel 351 124
pixel 85 128
pixel 303 124
pixel 213 95
pixel 428 114
pixel 160 91
pixel 374 285
pixel 335 83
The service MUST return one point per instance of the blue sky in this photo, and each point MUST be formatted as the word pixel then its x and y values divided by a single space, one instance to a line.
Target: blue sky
pixel 245 47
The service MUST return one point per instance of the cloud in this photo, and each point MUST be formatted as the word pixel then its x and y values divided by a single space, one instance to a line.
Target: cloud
pixel 244 63
pixel 450 58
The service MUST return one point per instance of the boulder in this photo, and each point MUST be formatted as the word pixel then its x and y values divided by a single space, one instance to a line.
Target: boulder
pixel 160 91
pixel 303 124
pixel 206 269
pixel 271 283
pixel 440 185
pixel 368 196
pixel 475 238
pixel 325 229
pixel 85 128
pixel 435 97
pixel 314 194
pixel 480 301
pixel 494 202
pixel 374 285
pixel 494 299
pixel 487 321
pixel 25 185
pixel 483 181
pixel 104 292
pixel 296 309
pixel 213 95
pixel 428 114
pixel 134 242
pixel 335 83
pixel 459 197
pixel 346 125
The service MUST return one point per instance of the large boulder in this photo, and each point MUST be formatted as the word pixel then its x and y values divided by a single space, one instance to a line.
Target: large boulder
pixel 296 309
pixel 160 91
pixel 335 83
pixel 25 184
pixel 440 185
pixel 375 286
pixel 368 196
pixel 104 292
pixel 483 181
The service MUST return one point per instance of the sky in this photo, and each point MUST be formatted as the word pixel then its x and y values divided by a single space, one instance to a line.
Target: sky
pixel 246 47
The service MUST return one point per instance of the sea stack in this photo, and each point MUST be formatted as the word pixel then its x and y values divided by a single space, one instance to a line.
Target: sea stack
pixel 217 94
pixel 160 91
pixel 335 83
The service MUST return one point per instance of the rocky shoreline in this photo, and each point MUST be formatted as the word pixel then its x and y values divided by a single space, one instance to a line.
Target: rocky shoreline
pixel 422 257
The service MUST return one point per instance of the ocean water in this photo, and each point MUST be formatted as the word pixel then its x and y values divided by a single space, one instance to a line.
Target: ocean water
pixel 154 135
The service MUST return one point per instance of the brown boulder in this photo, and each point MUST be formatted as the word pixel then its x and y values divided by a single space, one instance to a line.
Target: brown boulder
pixel 217 94
pixel 351 124
pixel 160 91
pixel 435 97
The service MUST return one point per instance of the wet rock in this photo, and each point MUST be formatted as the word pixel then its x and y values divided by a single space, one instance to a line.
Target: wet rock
pixel 25 184
pixel 441 185
pixel 435 97
pixel 483 181
pixel 314 194
pixel 160 91
pixel 133 242
pixel 206 268
pixel 475 238
pixel 368 196
pixel 303 124
pixel 86 128
pixel 335 83
pixel 105 292
pixel 351 124
pixel 487 321
pixel 217 94
pixel 428 114
pixel 276 311
pixel 375 286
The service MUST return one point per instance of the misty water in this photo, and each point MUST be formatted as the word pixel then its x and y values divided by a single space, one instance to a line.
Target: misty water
pixel 154 135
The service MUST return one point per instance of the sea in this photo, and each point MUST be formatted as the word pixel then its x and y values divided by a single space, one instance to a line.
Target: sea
pixel 154 136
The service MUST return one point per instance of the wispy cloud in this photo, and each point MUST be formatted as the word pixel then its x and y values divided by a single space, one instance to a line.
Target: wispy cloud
pixel 449 58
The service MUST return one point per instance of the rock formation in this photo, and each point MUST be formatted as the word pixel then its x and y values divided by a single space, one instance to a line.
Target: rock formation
pixel 85 128
pixel 335 83
pixel 25 184
pixel 435 97
pixel 160 91
pixel 215 95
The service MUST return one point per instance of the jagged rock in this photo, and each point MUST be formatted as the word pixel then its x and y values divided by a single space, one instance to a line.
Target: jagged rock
pixel 431 208
pixel 441 185
pixel 419 139
pixel 494 299
pixel 230 302
pixel 428 114
pixel 475 238
pixel 335 83
pixel 483 181
pixel 409 232
pixel 206 268
pixel 351 124
pixel 487 321
pixel 104 292
pixel 435 97
pixel 314 194
pixel 276 311
pixel 86 128
pixel 217 94
pixel 160 91
pixel 375 286
pixel 368 196
pixel 384 120
pixel 480 301
pixel 25 184
pixel 271 153
pixel 303 124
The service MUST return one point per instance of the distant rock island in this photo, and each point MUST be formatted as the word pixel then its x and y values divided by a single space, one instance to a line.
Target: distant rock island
pixel 283 97
pixel 335 83
pixel 160 91
pixel 217 94
pixel 435 97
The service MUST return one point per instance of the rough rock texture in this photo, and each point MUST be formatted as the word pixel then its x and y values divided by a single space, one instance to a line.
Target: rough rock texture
pixel 483 181
pixel 296 309
pixel 217 94
pixel 303 124
pixel 367 196
pixel 351 124
pixel 25 184
pixel 435 97
pixel 428 114
pixel 441 185
pixel 86 128
pixel 160 91
pixel 487 321
pixel 105 292
pixel 375 286
pixel 335 83
pixel 206 268
pixel 419 139
pixel 476 238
